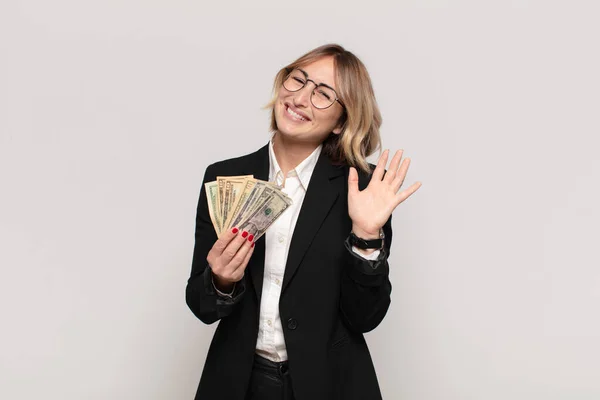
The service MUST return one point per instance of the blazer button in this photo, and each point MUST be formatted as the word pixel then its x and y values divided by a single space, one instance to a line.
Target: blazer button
pixel 292 323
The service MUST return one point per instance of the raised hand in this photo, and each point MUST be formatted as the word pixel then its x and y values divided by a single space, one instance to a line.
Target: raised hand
pixel 370 208
pixel 229 257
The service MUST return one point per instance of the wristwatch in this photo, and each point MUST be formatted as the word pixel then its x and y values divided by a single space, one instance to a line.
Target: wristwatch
pixel 367 244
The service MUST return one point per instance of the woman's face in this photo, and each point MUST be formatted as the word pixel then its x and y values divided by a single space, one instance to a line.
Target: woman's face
pixel 297 118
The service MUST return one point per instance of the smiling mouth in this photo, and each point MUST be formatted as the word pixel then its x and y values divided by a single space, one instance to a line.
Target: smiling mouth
pixel 295 115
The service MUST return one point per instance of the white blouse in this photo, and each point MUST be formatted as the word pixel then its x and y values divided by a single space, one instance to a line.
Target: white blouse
pixel 270 343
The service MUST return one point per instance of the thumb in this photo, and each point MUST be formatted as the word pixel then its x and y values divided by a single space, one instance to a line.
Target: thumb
pixel 352 181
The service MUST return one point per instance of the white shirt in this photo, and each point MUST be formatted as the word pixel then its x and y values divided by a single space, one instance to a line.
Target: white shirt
pixel 271 343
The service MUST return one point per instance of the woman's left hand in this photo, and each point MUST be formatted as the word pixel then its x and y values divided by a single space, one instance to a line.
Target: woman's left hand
pixel 370 208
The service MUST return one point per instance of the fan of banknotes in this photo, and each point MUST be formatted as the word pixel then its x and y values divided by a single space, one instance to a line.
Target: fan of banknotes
pixel 249 204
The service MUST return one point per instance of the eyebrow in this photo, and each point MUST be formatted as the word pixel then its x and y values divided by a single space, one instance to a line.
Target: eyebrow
pixel 320 84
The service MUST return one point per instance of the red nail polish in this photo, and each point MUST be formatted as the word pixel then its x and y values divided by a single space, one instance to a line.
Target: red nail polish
pixel 250 238
pixel 252 245
pixel 244 234
pixel 234 230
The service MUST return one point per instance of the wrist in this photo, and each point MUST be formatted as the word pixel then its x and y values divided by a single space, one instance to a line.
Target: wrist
pixel 365 234
pixel 222 285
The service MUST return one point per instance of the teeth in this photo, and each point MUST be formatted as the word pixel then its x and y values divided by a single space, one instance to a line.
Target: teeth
pixel 295 115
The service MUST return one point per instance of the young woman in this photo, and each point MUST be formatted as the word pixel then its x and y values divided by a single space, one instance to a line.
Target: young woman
pixel 293 306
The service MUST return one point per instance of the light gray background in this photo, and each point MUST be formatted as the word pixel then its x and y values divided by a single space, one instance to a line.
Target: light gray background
pixel 111 110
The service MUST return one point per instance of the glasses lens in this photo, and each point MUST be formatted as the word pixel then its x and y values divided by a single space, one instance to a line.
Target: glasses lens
pixel 295 81
pixel 323 97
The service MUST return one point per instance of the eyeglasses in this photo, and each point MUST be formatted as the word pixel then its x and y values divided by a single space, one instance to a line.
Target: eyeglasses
pixel 322 95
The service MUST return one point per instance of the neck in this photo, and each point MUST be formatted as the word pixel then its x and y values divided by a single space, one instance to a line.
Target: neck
pixel 289 154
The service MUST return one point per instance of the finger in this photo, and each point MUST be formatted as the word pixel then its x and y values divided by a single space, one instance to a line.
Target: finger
pixel 353 180
pixel 223 241
pixel 232 248
pixel 393 169
pixel 240 256
pixel 379 170
pixel 399 180
pixel 239 272
pixel 405 194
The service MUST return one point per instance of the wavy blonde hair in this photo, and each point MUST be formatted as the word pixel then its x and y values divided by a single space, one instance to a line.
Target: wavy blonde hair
pixel 361 119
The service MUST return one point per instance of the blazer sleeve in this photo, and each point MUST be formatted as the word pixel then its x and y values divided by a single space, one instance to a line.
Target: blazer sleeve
pixel 200 294
pixel 365 287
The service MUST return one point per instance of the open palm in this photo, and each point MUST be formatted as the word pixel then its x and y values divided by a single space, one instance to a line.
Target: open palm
pixel 370 208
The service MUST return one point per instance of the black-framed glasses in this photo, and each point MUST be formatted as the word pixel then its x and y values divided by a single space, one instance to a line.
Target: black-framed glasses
pixel 322 95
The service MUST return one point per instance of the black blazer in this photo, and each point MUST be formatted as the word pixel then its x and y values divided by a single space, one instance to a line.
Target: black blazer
pixel 329 297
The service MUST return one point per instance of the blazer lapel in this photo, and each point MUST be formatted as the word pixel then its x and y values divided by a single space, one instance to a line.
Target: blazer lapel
pixel 260 170
pixel 323 190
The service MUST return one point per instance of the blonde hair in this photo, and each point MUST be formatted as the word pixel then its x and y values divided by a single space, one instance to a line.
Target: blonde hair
pixel 361 119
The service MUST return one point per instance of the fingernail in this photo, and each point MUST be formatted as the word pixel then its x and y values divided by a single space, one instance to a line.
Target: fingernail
pixel 234 230
pixel 250 238
pixel 244 234
pixel 252 245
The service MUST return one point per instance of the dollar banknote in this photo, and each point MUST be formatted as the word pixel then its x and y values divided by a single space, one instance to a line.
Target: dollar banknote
pixel 213 205
pixel 263 216
pixel 233 185
pixel 259 195
pixel 244 202
pixel 241 199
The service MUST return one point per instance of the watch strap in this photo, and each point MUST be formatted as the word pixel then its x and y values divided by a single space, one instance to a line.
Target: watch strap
pixel 366 244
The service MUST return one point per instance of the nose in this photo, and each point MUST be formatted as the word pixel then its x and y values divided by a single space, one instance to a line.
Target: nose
pixel 302 96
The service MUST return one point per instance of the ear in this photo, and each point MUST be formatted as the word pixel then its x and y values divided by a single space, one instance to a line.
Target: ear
pixel 340 125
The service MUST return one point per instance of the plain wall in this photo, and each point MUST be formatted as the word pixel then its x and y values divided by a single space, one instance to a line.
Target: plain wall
pixel 111 110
